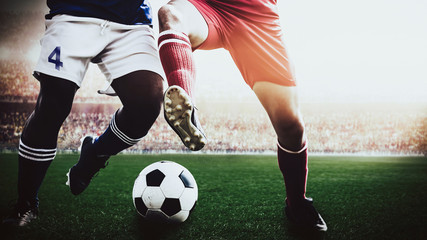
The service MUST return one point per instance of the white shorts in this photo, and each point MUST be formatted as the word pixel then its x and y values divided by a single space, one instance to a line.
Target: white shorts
pixel 71 43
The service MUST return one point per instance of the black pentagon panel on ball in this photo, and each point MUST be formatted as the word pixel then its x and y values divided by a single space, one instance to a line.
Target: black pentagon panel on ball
pixel 171 206
pixel 155 178
pixel 186 178
pixel 140 206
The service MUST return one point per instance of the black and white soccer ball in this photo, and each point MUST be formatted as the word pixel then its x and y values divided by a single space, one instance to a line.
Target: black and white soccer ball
pixel 165 192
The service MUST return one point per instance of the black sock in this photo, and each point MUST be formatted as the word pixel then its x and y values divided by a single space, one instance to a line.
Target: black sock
pixel 33 165
pixel 113 140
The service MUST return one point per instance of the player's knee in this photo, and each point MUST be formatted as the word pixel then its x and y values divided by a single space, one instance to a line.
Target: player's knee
pixel 53 111
pixel 42 127
pixel 169 17
pixel 55 100
pixel 290 128
pixel 140 92
pixel 140 112
pixel 145 105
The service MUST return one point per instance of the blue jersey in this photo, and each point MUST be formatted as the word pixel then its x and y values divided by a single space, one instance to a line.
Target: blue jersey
pixel 128 12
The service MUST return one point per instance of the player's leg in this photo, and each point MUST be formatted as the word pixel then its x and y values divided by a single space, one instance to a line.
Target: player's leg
pixel 281 104
pixel 259 53
pixel 37 146
pixel 141 94
pixel 182 28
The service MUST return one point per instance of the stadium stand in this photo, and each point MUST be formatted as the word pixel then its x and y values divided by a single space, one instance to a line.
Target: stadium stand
pixel 342 132
pixel 331 128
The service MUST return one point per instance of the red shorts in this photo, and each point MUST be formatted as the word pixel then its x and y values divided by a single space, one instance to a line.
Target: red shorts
pixel 250 30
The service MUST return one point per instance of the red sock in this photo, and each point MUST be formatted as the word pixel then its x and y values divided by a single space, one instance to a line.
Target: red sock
pixel 176 56
pixel 293 166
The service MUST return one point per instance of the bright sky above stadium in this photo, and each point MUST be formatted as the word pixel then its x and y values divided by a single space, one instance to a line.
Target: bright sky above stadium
pixel 342 50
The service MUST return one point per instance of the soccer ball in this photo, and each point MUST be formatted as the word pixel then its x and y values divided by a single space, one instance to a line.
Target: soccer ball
pixel 165 192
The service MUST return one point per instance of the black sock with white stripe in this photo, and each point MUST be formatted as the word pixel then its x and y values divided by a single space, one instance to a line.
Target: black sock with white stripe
pixel 113 140
pixel 33 164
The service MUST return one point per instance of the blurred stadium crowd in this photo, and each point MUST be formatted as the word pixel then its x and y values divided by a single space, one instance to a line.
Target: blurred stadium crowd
pixel 338 129
pixel 357 133
pixel 333 129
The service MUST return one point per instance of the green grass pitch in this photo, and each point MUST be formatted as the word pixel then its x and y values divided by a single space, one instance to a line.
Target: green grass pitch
pixel 240 197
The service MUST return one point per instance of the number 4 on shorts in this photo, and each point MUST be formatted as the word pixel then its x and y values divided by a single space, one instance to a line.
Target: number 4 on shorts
pixel 55 58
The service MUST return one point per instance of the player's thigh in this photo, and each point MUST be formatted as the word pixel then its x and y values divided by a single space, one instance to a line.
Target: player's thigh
pixel 261 58
pixel 181 15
